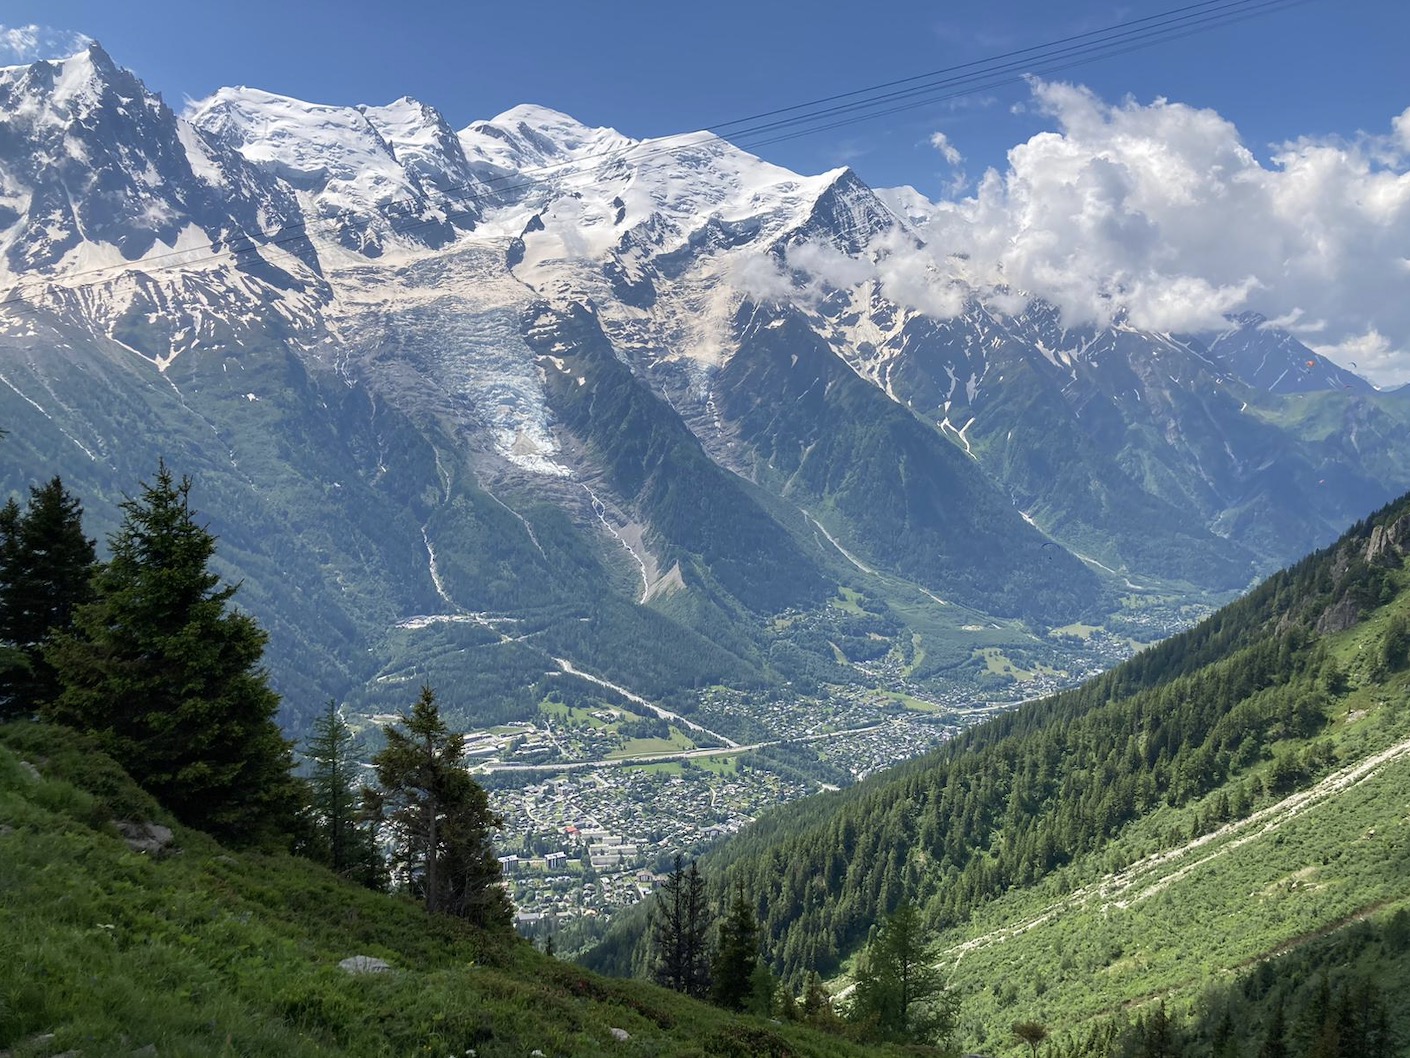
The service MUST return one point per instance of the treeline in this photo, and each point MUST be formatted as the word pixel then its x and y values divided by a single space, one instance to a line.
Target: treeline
pixel 1009 802
pixel 898 997
pixel 145 654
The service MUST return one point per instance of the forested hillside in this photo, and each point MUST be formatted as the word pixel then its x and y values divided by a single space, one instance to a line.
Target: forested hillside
pixel 1301 679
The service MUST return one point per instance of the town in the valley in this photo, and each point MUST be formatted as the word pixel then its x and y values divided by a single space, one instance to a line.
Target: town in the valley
pixel 597 799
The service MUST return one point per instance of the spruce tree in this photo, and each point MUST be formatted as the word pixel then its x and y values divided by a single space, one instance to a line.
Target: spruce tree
pixel 817 1002
pixel 736 956
pixel 680 933
pixel 1157 1035
pixel 46 573
pixel 439 819
pixel 340 838
pixel 1275 1043
pixel 168 676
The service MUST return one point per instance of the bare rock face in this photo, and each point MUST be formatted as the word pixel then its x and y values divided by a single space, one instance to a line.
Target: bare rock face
pixel 146 839
pixel 1338 617
pixel 1388 542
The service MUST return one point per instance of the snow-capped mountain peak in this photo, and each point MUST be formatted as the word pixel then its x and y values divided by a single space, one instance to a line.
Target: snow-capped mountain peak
pixel 335 152
pixel 423 142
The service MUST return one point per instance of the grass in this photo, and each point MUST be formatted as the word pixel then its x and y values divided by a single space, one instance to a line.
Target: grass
pixel 848 601
pixel 1080 630
pixel 576 715
pixel 206 952
pixel 645 747
pixel 914 704
pixel 1091 940
pixel 720 764
pixel 998 663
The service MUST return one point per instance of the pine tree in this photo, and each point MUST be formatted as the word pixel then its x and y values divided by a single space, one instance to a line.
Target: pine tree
pixel 168 677
pixel 440 819
pixel 736 956
pixel 46 573
pixel 341 840
pixel 681 925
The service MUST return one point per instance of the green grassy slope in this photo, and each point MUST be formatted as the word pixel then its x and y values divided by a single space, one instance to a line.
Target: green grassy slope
pixel 1215 801
pixel 201 952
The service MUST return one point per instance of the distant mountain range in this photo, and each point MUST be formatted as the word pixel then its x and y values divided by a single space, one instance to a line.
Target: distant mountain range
pixel 460 404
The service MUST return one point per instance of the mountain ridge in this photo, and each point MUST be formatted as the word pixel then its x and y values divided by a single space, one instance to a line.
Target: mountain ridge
pixel 349 321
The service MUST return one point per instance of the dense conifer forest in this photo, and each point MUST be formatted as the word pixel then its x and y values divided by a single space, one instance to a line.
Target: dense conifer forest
pixel 1207 728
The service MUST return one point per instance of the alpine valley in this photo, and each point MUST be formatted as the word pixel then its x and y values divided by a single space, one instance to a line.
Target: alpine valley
pixel 472 408
pixel 653 458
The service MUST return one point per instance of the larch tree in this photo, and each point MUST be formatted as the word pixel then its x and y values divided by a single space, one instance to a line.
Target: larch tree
pixel 899 994
pixel 439 819
pixel 46 573
pixel 168 676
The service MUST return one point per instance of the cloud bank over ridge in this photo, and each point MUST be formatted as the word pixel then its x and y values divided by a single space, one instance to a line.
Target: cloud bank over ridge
pixel 1161 210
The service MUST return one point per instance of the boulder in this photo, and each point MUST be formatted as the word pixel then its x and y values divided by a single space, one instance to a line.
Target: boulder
pixel 364 964
pixel 146 839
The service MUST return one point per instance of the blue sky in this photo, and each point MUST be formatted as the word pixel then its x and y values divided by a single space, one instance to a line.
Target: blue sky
pixel 1263 165
pixel 655 68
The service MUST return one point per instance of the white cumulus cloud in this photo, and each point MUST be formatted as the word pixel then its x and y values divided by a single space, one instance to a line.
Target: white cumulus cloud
pixel 20 45
pixel 1161 210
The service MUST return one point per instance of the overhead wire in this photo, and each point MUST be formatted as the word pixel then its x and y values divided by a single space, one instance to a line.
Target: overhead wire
pixel 949 70
pixel 748 133
pixel 996 76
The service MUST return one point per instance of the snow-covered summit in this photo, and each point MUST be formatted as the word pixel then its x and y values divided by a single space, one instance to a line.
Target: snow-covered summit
pixel 335 152
pixel 423 142
pixel 97 171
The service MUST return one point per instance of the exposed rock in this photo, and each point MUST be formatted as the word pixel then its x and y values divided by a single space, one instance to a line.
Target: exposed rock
pixel 146 839
pixel 1388 541
pixel 30 770
pixel 149 1051
pixel 364 964
pixel 1338 617
pixel 620 1034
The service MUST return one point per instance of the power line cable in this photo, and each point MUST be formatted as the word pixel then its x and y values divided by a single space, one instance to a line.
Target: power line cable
pixel 1011 76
